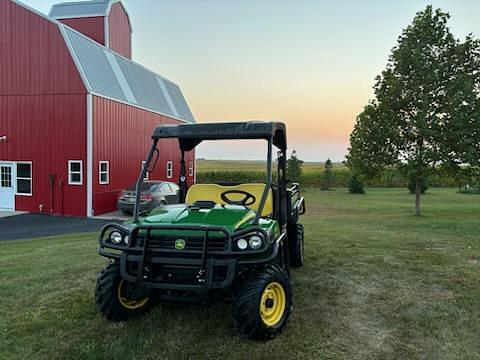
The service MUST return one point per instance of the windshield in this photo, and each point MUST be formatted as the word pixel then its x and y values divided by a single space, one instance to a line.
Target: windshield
pixel 183 182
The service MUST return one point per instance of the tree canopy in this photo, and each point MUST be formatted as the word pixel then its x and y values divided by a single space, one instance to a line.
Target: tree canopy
pixel 426 110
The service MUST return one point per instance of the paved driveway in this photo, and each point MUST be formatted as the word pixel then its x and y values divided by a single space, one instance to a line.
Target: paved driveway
pixel 28 226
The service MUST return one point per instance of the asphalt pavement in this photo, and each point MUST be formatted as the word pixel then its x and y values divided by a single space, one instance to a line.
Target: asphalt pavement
pixel 29 226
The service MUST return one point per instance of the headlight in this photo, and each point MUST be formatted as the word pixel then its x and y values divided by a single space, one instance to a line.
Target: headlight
pixel 116 238
pixel 255 242
pixel 125 239
pixel 242 244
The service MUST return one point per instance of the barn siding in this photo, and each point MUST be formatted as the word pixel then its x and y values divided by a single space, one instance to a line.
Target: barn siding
pixel 122 136
pixel 33 55
pixel 93 27
pixel 120 36
pixel 42 108
pixel 47 130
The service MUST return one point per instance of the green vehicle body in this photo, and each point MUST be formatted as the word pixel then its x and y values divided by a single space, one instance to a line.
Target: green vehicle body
pixel 231 218
pixel 185 228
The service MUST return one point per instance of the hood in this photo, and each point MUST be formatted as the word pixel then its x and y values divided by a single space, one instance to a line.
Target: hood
pixel 230 217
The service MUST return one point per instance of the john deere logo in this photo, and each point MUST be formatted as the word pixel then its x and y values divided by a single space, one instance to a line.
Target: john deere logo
pixel 180 244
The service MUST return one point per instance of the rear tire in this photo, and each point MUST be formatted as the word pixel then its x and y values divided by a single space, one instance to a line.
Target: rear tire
pixel 111 296
pixel 297 250
pixel 262 303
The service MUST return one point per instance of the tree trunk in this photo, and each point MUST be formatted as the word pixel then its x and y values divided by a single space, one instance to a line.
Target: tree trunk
pixel 418 192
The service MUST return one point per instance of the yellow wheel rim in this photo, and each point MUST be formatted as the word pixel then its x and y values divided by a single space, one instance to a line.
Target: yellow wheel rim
pixel 273 304
pixel 128 303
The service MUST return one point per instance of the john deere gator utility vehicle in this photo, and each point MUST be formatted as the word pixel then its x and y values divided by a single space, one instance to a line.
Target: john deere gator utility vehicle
pixel 226 241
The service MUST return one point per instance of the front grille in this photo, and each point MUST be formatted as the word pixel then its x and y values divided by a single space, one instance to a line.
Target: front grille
pixel 216 243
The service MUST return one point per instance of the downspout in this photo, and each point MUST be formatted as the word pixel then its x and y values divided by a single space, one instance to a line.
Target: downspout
pixel 61 195
pixel 268 185
pixel 51 180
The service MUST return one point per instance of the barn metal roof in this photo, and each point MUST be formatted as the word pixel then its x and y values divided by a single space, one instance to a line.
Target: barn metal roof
pixel 113 76
pixel 80 9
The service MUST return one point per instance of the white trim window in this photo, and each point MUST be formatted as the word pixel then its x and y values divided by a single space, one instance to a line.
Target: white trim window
pixel 7 176
pixel 75 172
pixel 24 178
pixel 169 169
pixel 147 173
pixel 103 172
pixel 190 168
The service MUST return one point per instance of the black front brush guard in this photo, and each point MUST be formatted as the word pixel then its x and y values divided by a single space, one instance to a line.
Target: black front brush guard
pixel 228 257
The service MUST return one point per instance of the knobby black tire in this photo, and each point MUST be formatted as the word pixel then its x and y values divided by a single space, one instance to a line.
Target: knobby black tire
pixel 246 303
pixel 297 251
pixel 106 296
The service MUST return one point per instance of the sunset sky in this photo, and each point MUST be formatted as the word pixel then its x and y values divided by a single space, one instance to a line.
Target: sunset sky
pixel 310 64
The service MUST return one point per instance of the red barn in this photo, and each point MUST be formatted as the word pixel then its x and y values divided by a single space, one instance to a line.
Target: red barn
pixel 76 113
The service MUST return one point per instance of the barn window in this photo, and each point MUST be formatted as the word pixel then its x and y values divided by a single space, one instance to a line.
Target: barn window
pixel 146 174
pixel 190 168
pixel 169 169
pixel 24 178
pixel 75 172
pixel 6 176
pixel 103 172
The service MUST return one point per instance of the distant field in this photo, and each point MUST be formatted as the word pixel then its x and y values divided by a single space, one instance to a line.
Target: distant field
pixel 225 165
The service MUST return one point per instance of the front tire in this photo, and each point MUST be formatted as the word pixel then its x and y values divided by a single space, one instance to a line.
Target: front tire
pixel 112 297
pixel 262 304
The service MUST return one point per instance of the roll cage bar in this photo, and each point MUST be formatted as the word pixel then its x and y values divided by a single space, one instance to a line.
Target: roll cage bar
pixel 190 135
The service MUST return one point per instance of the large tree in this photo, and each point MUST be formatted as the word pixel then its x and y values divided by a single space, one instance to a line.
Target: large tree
pixel 426 111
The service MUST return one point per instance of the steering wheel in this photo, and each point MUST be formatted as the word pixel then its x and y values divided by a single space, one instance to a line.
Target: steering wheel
pixel 247 200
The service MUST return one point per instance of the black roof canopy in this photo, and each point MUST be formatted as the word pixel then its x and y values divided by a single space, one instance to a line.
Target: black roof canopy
pixel 190 135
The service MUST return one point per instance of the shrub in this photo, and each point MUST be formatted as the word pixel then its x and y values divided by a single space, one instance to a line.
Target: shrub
pixel 328 176
pixel 468 189
pixel 294 168
pixel 355 185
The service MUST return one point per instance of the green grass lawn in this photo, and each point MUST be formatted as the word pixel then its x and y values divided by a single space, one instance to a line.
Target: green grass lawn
pixel 378 283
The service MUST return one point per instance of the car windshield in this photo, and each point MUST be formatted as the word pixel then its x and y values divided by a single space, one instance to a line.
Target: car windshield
pixel 145 186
